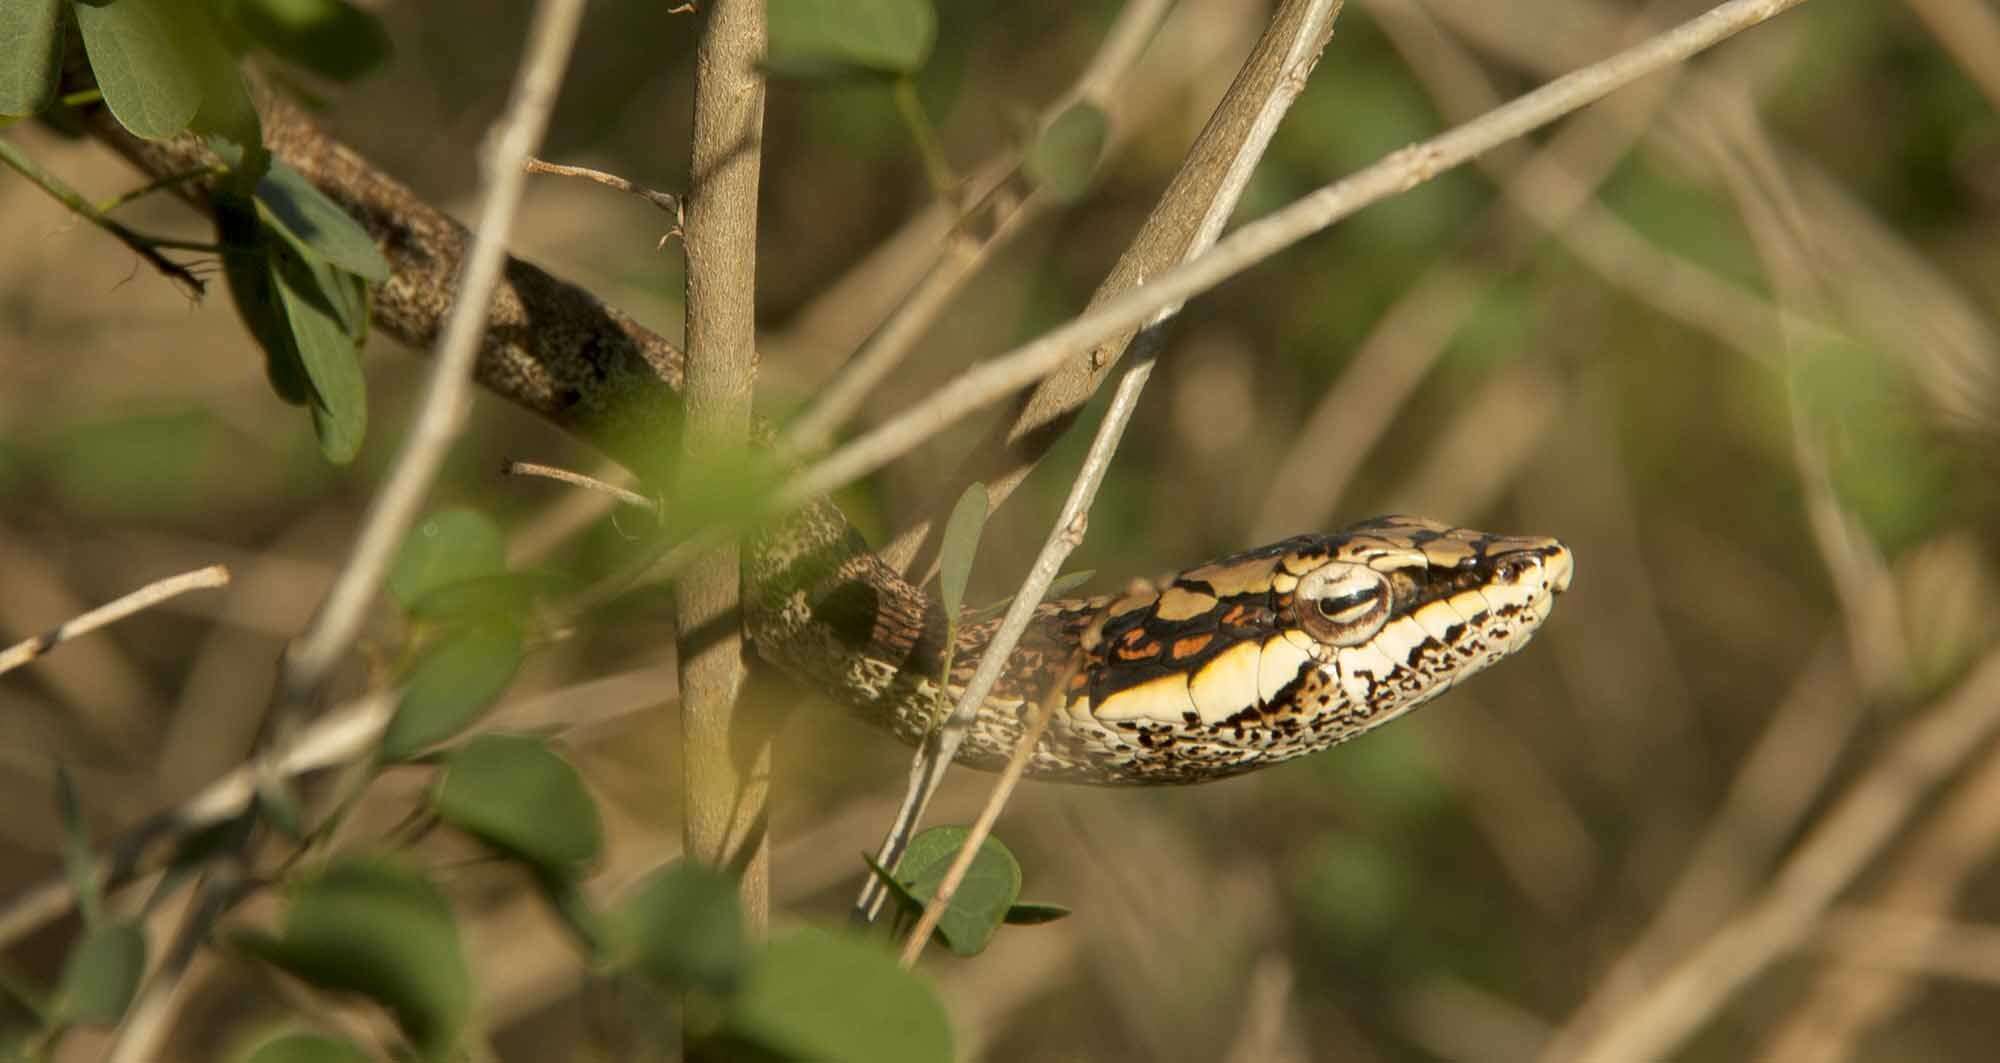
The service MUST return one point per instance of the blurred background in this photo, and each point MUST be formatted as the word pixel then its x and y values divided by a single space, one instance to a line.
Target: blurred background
pixel 1729 334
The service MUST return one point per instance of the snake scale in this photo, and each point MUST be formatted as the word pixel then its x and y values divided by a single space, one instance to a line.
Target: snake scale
pixel 1244 662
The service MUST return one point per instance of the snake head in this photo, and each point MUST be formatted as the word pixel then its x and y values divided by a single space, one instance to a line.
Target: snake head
pixel 1287 649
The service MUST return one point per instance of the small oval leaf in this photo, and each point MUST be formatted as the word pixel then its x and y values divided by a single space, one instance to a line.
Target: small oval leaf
pixel 1030 913
pixel 825 996
pixel 991 886
pixel 1067 152
pixel 305 216
pixel 960 546
pixel 451 686
pixel 328 37
pixel 811 38
pixel 101 975
pixel 450 546
pixel 516 794
pixel 367 926
pixel 30 54
pixel 307 1048
pixel 683 926
pixel 312 293
pixel 137 51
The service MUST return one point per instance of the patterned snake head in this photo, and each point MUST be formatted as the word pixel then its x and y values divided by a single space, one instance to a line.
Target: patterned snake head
pixel 1285 650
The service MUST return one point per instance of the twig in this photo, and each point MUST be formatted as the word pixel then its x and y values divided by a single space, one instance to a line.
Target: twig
pixel 144 598
pixel 1010 777
pixel 146 247
pixel 311 657
pixel 1223 177
pixel 725 751
pixel 577 479
pixel 1180 226
pixel 928 768
pixel 963 253
pixel 666 201
pixel 1865 819
pixel 1259 240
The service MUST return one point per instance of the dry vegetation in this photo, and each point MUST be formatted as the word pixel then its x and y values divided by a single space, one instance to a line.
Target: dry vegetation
pixel 1730 334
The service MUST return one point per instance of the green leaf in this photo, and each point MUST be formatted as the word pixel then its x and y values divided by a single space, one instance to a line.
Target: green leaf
pixel 365 925
pixel 823 996
pixel 812 38
pixel 1030 913
pixel 450 546
pixel 146 64
pixel 30 54
pixel 452 685
pixel 516 794
pixel 228 113
pixel 313 295
pixel 907 901
pixel 991 886
pixel 246 264
pixel 1067 152
pixel 959 547
pixel 101 974
pixel 309 219
pixel 327 37
pixel 307 1048
pixel 79 861
pixel 683 926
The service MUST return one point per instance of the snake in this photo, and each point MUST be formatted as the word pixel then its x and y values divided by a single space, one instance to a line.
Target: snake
pixel 1243 662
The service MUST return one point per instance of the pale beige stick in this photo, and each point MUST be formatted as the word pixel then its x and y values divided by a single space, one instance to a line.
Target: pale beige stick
pixel 111 612
pixel 1010 776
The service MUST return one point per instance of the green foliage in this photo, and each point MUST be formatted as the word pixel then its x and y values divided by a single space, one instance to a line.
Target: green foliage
pixel 146 63
pixel 451 546
pixel 452 685
pixel 328 37
pixel 296 1047
pixel 1066 154
pixel 316 225
pixel 30 54
pixel 519 796
pixel 319 305
pixel 987 897
pixel 823 996
pixel 101 975
pixel 819 38
pixel 960 547
pixel 366 925
pixel 683 927
pixel 1885 465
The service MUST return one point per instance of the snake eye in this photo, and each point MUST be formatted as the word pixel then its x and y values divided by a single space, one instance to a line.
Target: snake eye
pixel 1343 604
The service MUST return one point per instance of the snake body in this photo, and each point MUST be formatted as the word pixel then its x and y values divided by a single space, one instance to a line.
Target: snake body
pixel 1247 661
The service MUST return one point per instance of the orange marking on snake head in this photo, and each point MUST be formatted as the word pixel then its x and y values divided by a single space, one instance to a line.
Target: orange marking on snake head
pixel 1191 645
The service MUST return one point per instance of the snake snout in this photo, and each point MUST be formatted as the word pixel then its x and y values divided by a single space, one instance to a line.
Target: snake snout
pixel 1552 558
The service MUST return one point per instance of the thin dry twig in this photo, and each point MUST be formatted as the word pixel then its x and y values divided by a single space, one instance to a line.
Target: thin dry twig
pixel 928 768
pixel 1180 226
pixel 577 479
pixel 515 136
pixel 666 201
pixel 1865 820
pixel 110 613
pixel 1259 240
pixel 963 253
pixel 989 814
